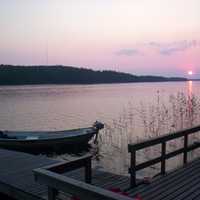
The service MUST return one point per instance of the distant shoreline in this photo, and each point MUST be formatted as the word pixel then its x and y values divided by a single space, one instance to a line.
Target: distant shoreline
pixel 64 75
pixel 90 84
pixel 37 84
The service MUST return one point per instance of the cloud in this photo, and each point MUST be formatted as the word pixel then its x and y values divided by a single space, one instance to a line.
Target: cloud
pixel 154 44
pixel 128 52
pixel 174 47
pixel 165 49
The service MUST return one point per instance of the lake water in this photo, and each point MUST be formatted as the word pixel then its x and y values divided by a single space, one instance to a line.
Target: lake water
pixel 57 107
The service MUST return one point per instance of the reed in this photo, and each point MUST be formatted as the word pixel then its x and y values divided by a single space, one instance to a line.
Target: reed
pixel 177 112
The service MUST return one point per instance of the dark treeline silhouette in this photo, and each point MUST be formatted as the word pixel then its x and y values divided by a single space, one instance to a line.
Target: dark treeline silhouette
pixel 21 75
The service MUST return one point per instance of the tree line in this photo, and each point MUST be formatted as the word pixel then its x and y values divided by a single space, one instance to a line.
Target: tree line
pixel 21 75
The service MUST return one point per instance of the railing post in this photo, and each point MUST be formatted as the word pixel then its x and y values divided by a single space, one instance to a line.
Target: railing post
pixel 185 149
pixel 52 193
pixel 88 171
pixel 163 161
pixel 132 168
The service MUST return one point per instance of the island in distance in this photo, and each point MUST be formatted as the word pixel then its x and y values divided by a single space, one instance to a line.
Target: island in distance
pixel 22 75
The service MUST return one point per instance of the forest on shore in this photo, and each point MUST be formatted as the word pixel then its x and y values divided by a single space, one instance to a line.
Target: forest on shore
pixel 22 75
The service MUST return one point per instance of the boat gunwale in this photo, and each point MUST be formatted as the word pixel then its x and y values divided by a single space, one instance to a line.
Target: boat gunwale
pixel 91 132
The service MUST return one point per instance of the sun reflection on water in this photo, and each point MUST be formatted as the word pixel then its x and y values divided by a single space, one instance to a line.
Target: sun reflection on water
pixel 190 88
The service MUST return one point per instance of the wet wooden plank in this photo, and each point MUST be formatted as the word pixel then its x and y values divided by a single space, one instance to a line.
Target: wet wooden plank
pixel 16 179
pixel 102 179
pixel 179 184
pixel 16 176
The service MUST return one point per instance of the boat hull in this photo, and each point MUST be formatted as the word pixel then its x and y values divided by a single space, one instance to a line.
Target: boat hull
pixel 72 143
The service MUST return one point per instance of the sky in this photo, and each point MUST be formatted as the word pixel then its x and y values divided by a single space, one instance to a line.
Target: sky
pixel 154 37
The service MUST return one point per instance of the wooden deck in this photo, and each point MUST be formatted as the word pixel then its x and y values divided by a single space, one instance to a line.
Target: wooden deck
pixel 17 180
pixel 16 176
pixel 181 184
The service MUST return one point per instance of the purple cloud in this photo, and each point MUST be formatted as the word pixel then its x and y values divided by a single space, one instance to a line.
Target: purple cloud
pixel 165 49
pixel 174 47
pixel 128 52
pixel 154 44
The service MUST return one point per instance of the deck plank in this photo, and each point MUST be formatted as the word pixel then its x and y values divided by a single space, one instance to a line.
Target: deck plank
pixel 166 179
pixel 16 179
pixel 179 184
pixel 16 176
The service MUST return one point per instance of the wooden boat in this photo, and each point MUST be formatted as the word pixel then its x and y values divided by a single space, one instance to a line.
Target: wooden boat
pixel 48 141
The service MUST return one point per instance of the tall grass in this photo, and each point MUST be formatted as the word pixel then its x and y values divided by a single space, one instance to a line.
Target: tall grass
pixel 178 112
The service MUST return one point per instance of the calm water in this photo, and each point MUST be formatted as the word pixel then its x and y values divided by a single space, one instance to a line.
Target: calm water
pixel 57 107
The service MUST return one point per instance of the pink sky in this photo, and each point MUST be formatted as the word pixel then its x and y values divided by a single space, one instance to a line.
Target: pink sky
pixel 138 36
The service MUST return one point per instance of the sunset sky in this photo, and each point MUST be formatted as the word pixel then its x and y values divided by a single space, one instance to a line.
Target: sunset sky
pixel 158 37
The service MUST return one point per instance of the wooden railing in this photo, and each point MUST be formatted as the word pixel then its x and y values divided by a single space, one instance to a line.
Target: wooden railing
pixel 133 148
pixel 66 166
pixel 51 177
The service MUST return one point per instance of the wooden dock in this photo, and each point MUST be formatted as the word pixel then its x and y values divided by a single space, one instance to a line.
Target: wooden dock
pixel 17 178
pixel 29 177
pixel 181 184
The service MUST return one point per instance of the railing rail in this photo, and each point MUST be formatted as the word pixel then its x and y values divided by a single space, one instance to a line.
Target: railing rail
pixel 162 140
pixel 62 167
pixel 51 177
pixel 56 182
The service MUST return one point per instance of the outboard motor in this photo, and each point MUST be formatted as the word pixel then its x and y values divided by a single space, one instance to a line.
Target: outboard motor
pixel 98 126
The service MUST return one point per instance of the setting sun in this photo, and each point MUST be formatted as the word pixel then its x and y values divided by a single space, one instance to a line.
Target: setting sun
pixel 190 72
